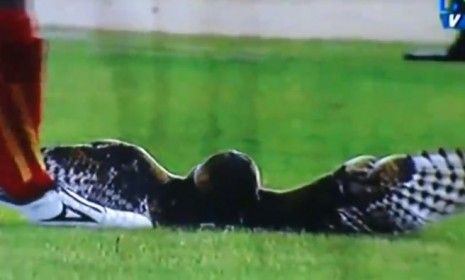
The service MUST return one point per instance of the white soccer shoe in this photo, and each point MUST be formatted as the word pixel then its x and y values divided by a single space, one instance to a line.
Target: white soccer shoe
pixel 63 208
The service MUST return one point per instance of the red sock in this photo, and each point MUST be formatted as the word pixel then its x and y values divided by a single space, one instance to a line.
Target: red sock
pixel 22 172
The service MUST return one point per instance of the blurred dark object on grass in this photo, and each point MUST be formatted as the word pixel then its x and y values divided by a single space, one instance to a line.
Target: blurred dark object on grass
pixel 455 53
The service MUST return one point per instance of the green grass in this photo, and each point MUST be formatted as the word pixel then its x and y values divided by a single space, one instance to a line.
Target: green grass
pixel 299 108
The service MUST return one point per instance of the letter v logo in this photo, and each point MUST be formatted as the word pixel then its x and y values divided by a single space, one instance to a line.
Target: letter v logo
pixel 454 19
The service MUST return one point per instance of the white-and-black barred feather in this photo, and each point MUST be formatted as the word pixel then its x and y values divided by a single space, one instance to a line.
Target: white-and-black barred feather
pixel 418 189
pixel 110 173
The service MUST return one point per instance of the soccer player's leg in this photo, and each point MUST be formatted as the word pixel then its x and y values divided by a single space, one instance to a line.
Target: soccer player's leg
pixel 23 178
pixel 22 175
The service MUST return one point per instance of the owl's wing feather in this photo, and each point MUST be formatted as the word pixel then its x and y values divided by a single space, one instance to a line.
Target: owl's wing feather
pixel 111 173
pixel 416 190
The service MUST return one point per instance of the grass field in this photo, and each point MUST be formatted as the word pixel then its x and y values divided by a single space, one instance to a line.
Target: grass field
pixel 299 108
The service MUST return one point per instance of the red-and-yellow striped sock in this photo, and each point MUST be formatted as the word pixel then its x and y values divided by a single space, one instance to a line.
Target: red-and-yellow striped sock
pixel 22 172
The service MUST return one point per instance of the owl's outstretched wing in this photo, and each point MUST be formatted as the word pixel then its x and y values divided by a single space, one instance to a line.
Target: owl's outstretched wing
pixel 111 173
pixel 415 190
